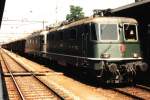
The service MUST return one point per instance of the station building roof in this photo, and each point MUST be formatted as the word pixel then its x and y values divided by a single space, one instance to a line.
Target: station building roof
pixel 139 10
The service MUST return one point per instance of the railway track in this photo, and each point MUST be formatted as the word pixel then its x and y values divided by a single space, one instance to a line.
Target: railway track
pixel 143 87
pixel 36 82
pixel 138 92
pixel 24 84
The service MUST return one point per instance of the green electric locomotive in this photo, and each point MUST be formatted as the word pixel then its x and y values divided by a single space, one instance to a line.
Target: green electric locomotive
pixel 106 46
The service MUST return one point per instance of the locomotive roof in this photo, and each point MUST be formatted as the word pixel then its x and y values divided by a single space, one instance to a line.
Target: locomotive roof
pixel 104 20
pixel 44 32
pixel 38 33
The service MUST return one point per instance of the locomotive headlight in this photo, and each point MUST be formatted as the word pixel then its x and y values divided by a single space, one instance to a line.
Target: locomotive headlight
pixel 105 55
pixel 135 55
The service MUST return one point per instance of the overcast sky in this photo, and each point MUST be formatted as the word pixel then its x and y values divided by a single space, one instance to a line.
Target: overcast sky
pixel 39 10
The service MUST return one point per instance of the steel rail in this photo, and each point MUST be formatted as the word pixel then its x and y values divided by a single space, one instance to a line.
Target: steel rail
pixel 127 94
pixel 13 78
pixel 143 87
pixel 48 87
pixel 33 74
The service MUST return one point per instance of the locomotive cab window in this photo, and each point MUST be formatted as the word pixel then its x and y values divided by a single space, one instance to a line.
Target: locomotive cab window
pixel 130 32
pixel 108 32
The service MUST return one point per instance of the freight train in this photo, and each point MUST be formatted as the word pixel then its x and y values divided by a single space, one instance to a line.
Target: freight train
pixel 107 47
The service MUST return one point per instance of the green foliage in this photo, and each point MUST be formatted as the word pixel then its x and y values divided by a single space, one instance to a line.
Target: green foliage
pixel 75 13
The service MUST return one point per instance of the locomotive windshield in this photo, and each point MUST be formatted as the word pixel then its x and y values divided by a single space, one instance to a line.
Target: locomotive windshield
pixel 108 32
pixel 130 32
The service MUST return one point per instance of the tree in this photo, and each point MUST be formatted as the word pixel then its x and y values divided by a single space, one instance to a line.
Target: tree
pixel 75 13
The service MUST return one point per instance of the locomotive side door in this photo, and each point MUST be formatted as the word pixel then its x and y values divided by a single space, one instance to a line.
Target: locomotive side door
pixel 84 40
